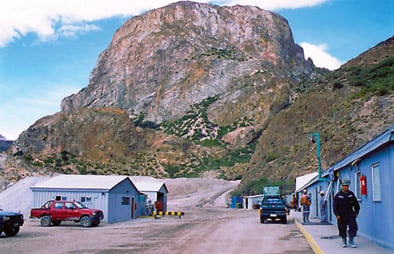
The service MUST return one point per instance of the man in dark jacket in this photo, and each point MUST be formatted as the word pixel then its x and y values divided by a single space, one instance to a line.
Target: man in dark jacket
pixel 346 209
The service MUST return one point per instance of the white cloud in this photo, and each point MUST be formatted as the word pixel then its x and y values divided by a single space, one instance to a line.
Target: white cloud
pixel 320 56
pixel 277 4
pixel 49 19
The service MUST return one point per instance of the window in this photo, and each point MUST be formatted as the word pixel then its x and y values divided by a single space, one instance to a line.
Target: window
pixel 69 206
pixel 125 201
pixel 376 192
pixel 86 199
pixel 357 185
pixel 58 205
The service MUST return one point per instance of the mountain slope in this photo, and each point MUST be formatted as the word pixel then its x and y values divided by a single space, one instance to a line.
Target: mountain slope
pixel 347 108
pixel 200 90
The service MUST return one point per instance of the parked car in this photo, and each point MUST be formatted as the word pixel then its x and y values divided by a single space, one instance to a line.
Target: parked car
pixel 55 211
pixel 10 222
pixel 273 208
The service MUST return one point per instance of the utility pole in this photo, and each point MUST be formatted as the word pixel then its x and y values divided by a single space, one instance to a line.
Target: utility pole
pixel 315 138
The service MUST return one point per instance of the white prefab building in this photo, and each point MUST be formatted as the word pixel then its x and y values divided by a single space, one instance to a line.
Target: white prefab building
pixel 115 195
pixel 155 191
pixel 252 202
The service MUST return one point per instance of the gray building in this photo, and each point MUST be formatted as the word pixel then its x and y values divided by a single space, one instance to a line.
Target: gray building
pixel 115 195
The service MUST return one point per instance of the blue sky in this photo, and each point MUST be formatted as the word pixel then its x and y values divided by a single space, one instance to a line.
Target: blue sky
pixel 48 48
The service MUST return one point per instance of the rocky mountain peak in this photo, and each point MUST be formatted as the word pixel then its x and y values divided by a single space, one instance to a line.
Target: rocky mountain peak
pixel 191 90
pixel 162 62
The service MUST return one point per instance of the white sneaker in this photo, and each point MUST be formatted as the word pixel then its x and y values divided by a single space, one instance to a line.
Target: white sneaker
pixel 344 245
pixel 351 243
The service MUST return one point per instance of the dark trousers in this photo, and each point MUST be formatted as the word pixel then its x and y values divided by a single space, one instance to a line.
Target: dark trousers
pixel 344 223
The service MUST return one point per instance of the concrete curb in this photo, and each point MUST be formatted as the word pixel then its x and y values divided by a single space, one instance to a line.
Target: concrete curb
pixel 315 247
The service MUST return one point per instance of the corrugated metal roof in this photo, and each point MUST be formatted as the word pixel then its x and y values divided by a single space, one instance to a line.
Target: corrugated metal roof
pixel 148 186
pixel 369 147
pixel 102 182
pixel 305 181
pixel 142 185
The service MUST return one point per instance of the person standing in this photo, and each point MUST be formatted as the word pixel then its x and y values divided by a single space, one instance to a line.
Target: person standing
pixel 294 203
pixel 305 203
pixel 323 208
pixel 346 209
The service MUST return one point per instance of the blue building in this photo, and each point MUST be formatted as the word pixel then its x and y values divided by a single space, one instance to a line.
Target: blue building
pixel 371 172
pixel 115 195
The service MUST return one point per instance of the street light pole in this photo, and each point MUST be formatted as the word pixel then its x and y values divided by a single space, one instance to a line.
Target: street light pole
pixel 315 138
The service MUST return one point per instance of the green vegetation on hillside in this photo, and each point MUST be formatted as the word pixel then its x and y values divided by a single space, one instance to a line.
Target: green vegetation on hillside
pixel 377 79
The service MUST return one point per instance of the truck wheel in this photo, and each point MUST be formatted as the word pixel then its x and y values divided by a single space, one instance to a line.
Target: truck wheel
pixel 11 231
pixel 45 221
pixel 284 220
pixel 262 219
pixel 86 221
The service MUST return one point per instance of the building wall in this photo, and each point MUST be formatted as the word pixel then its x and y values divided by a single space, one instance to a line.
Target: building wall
pixel 163 196
pixel 376 218
pixel 92 199
pixel 123 202
pixel 315 198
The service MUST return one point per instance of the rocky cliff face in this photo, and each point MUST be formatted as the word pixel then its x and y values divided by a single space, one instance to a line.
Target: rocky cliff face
pixel 160 63
pixel 199 90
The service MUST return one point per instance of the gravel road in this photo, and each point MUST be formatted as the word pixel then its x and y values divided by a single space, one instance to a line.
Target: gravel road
pixel 207 227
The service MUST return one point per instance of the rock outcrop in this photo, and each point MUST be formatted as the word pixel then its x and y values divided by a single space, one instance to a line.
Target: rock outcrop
pixel 199 90
pixel 161 63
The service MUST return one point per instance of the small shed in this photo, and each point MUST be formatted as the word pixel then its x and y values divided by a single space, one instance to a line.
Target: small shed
pixel 115 195
pixel 253 202
pixel 155 191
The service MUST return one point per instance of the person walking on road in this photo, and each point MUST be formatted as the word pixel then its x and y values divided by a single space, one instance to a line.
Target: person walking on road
pixel 346 209
pixel 305 203
pixel 323 208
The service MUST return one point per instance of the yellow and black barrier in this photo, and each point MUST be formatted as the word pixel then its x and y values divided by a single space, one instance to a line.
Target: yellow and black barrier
pixel 158 214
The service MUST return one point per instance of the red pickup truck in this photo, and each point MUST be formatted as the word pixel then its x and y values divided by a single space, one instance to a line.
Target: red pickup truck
pixel 55 211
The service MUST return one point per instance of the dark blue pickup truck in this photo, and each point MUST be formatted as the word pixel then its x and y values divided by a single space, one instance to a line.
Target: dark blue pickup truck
pixel 10 222
pixel 273 208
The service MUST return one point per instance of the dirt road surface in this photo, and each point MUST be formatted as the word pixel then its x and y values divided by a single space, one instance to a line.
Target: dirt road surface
pixel 207 227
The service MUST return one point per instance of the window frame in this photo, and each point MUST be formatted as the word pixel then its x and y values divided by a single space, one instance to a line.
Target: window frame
pixel 125 200
pixel 58 205
pixel 357 185
pixel 376 183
